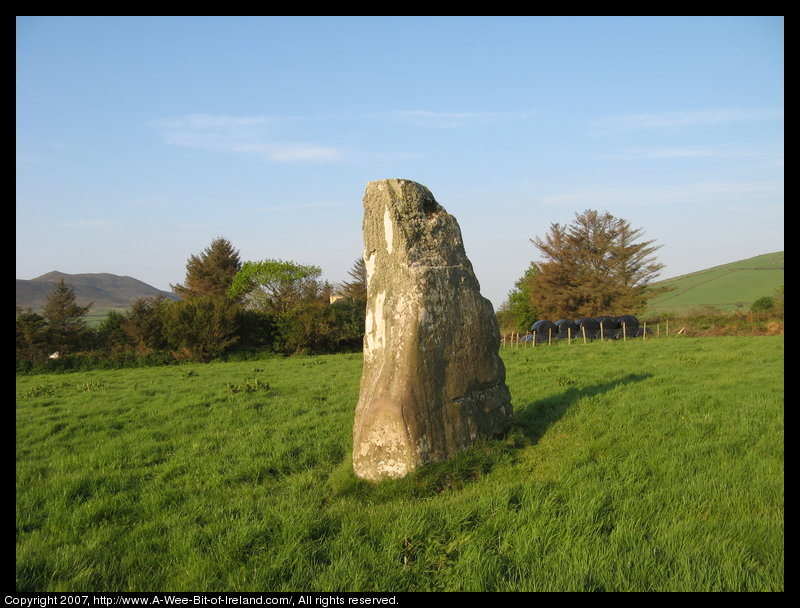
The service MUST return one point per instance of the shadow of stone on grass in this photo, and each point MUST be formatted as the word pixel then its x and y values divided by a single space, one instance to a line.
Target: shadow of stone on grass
pixel 464 468
pixel 535 418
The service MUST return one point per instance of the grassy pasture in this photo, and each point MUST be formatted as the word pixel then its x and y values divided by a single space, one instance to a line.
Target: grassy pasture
pixel 727 287
pixel 96 316
pixel 633 466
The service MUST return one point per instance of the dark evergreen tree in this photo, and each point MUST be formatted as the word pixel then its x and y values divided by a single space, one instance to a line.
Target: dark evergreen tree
pixel 31 336
pixel 356 289
pixel 144 324
pixel 66 327
pixel 210 273
pixel 110 335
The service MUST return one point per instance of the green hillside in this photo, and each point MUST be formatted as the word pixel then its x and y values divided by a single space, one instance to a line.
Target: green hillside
pixel 728 287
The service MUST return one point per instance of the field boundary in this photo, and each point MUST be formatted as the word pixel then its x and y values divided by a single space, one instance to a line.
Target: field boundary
pixel 531 338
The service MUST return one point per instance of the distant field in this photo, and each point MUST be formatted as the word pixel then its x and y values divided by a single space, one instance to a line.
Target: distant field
pixel 725 287
pixel 635 466
pixel 96 316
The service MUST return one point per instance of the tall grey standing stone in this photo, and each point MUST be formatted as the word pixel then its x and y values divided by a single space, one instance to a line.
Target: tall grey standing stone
pixel 433 380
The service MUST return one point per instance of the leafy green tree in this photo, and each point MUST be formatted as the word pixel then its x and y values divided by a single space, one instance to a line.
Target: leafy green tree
pixel 202 328
pixel 596 265
pixel 66 327
pixel 210 273
pixel 519 312
pixel 275 286
pixel 299 304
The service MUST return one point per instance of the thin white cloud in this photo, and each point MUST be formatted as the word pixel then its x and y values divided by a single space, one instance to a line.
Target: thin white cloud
pixel 684 153
pixel 698 193
pixel 61 145
pixel 89 223
pixel 298 206
pixel 26 158
pixel 666 120
pixel 669 153
pixel 249 135
pixel 274 138
pixel 697 152
pixel 302 152
pixel 451 120
pixel 210 121
pixel 150 200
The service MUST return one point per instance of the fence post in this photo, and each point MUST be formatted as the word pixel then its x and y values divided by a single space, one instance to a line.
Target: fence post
pixel 644 331
pixel 583 331
pixel 569 335
pixel 601 331
pixel 549 336
pixel 534 339
pixel 624 336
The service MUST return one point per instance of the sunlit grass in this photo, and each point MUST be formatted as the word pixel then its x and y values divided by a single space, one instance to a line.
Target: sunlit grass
pixel 632 466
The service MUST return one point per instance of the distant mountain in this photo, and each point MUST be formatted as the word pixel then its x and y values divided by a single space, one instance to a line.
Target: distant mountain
pixel 102 290
pixel 726 287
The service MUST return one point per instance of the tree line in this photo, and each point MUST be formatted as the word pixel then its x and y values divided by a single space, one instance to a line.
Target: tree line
pixel 226 308
pixel 596 265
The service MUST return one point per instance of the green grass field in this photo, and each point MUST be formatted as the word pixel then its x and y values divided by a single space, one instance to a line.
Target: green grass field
pixel 96 316
pixel 636 466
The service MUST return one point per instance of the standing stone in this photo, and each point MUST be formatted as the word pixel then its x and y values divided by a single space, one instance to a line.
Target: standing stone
pixel 433 380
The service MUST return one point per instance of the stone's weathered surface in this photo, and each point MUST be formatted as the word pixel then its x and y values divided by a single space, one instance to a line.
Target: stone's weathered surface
pixel 433 380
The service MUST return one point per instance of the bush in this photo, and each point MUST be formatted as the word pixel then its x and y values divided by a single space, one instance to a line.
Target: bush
pixel 85 361
pixel 762 304
pixel 202 329
pixel 255 329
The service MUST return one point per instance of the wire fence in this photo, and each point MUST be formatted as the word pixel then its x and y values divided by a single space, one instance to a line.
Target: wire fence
pixel 549 333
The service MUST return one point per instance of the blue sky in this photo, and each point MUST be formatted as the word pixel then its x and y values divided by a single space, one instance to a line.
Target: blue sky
pixel 141 139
